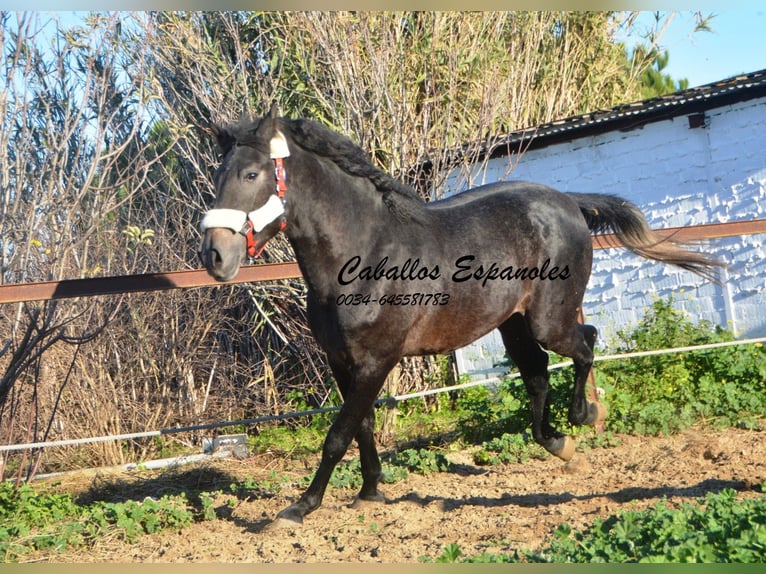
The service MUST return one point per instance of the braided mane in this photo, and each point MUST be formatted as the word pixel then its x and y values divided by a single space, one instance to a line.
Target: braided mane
pixel 348 156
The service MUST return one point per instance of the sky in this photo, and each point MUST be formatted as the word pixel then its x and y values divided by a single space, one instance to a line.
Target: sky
pixel 737 44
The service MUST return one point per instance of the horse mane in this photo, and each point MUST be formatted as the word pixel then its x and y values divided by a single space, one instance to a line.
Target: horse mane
pixel 313 137
pixel 401 199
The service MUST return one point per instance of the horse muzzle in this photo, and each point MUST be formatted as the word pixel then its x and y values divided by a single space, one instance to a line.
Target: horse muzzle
pixel 222 252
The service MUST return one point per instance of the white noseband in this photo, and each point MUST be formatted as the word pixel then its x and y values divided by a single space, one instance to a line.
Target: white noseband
pixel 236 220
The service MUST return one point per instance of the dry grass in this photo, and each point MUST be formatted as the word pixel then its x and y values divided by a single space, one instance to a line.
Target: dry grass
pixel 410 88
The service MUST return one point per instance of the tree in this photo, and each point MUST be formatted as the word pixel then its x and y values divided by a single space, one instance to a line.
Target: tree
pixel 653 81
pixel 649 58
pixel 108 170
pixel 71 132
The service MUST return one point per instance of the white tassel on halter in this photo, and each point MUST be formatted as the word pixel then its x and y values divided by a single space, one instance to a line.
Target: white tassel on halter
pixel 278 146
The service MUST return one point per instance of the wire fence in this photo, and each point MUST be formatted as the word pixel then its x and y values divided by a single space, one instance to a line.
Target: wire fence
pixel 386 401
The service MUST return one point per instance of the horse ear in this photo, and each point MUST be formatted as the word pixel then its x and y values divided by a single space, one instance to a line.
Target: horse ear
pixel 223 136
pixel 274 112
pixel 278 147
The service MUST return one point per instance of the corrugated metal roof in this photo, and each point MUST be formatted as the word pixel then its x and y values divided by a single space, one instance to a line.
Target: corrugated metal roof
pixel 630 116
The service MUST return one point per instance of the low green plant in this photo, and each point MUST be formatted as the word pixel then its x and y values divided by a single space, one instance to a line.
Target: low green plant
pixel 297 441
pixel 663 394
pixel 507 448
pixel 588 438
pixel 722 528
pixel 207 499
pixel 421 461
pixel 348 474
pixel 33 519
pixel 434 417
pixel 395 467
pixel 719 528
pixel 450 554
pixel 484 413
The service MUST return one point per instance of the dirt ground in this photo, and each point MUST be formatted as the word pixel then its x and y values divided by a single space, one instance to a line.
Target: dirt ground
pixel 497 509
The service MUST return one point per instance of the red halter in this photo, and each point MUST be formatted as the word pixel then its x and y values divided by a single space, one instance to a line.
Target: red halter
pixel 280 175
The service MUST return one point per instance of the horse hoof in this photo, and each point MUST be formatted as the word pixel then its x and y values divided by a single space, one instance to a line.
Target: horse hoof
pixel 367 501
pixel 280 523
pixel 359 503
pixel 375 496
pixel 596 414
pixel 290 516
pixel 567 450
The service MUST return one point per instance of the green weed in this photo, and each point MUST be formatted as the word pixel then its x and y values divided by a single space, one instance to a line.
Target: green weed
pixel 348 474
pixel 33 520
pixel 509 448
pixel 664 394
pixel 719 528
pixel 421 461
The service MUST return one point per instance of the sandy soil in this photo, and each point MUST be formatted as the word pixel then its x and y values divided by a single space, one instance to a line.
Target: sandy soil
pixel 497 509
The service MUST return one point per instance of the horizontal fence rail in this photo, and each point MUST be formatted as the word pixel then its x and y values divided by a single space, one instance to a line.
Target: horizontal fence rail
pixel 68 288
pixel 388 401
pixel 693 232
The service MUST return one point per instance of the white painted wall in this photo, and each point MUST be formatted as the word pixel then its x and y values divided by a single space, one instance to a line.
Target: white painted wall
pixel 678 176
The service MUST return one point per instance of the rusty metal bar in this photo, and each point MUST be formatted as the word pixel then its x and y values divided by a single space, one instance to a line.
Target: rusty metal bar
pixel 693 233
pixel 69 288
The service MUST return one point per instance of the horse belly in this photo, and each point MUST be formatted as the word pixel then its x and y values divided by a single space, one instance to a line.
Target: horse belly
pixel 440 341
pixel 460 322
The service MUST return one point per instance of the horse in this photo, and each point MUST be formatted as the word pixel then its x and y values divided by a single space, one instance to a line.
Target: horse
pixel 389 275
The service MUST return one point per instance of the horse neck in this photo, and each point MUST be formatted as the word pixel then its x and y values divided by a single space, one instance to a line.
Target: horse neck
pixel 331 215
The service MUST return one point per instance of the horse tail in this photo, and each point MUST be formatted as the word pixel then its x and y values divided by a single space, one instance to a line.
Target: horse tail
pixel 608 213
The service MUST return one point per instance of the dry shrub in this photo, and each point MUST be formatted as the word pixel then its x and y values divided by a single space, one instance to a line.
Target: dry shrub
pixel 109 169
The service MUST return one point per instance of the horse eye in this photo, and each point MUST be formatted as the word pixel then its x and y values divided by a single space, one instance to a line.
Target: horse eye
pixel 251 176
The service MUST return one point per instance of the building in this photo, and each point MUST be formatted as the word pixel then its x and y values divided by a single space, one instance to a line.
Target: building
pixel 692 157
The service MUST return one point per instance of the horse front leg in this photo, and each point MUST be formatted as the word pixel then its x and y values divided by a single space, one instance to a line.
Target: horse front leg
pixel 335 446
pixel 369 460
pixel 355 419
pixel 368 453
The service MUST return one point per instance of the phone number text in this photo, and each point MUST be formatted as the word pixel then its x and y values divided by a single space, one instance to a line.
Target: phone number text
pixel 401 299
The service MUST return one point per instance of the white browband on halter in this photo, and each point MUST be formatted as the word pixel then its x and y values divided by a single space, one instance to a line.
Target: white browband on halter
pixel 243 222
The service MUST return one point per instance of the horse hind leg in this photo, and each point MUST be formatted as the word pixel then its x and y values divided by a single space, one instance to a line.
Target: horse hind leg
pixel 532 362
pixel 580 349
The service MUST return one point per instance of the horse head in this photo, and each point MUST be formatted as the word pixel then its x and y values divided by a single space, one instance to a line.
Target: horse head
pixel 249 190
